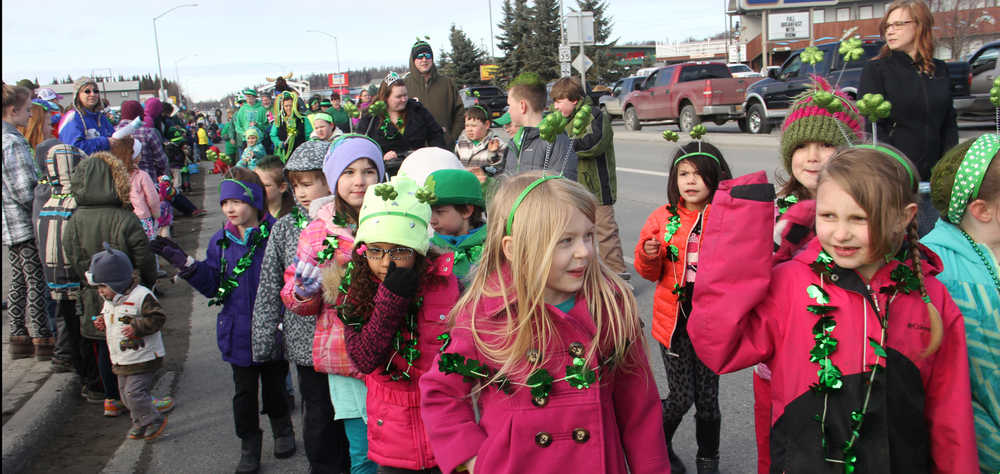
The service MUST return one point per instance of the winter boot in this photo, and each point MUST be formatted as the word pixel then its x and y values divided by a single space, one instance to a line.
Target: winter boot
pixel 669 428
pixel 707 433
pixel 284 437
pixel 250 454
pixel 44 346
pixel 21 347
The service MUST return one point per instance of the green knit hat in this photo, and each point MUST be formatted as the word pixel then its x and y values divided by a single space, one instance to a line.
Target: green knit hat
pixel 250 91
pixel 809 122
pixel 943 175
pixel 456 187
pixel 396 213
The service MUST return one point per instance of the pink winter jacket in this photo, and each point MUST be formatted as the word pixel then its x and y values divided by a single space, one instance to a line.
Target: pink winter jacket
pixel 615 426
pixel 396 434
pixel 329 351
pixel 145 195
pixel 746 311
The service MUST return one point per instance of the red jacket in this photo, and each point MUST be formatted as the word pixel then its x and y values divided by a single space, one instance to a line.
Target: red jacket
pixel 746 311
pixel 663 271
pixel 619 417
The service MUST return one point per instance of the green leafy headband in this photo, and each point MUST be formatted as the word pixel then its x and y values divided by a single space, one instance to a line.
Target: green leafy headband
pixel 970 175
pixel 897 157
pixel 697 132
pixel 520 197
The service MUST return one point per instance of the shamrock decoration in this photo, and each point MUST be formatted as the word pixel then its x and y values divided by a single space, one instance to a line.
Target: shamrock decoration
pixel 351 109
pixel 540 382
pixel 551 125
pixel 426 194
pixel 812 55
pixel 386 192
pixel 581 121
pixel 874 107
pixel 580 376
pixel 698 131
pixel 378 108
pixel 995 93
pixel 671 136
pixel 851 49
pixel 472 93
pixel 828 101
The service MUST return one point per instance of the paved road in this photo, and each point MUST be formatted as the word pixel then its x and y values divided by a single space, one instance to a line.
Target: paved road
pixel 200 436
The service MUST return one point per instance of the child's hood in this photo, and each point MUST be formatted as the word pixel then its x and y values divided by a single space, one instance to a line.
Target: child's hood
pixel 948 236
pixel 101 180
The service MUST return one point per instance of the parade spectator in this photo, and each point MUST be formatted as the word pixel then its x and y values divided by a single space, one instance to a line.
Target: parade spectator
pixel 436 92
pixel 84 126
pixel 26 303
pixel 229 136
pixel 39 127
pixel 362 102
pixel 152 158
pixel 267 101
pixel 337 112
pixel 290 128
pixel 250 114
pixel 404 126
pixel 527 150
pixel 322 127
pixel 477 145
pixel 314 103
pixel 922 123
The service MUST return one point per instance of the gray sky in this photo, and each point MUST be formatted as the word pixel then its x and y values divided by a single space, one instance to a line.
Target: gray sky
pixel 237 43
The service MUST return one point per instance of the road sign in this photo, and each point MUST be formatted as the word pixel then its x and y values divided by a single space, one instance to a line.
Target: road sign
pixel 580 27
pixel 582 63
pixel 337 79
pixel 564 70
pixel 564 53
pixel 488 71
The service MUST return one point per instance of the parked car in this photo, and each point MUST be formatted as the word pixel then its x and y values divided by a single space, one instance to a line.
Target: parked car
pixel 687 94
pixel 767 102
pixel 742 70
pixel 491 98
pixel 982 71
pixel 766 71
pixel 611 104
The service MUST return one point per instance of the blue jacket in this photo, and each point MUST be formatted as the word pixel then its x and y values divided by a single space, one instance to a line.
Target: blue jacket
pixel 86 130
pixel 973 290
pixel 233 326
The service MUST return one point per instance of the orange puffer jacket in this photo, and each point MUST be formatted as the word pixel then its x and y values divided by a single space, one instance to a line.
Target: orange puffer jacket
pixel 663 271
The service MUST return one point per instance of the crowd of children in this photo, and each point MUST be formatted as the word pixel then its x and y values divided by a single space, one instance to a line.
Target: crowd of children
pixel 471 313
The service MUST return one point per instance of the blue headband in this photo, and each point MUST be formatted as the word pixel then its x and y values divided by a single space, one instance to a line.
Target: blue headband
pixel 249 193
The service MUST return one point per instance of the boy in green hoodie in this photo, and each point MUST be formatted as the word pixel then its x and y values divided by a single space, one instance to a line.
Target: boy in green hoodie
pixel 457 218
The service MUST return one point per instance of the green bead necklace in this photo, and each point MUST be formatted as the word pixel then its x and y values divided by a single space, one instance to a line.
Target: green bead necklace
pixel 982 257
pixel 227 285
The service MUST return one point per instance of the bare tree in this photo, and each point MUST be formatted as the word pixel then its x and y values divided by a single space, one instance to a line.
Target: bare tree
pixel 957 22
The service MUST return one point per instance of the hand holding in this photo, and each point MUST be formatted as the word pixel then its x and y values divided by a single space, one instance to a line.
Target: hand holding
pixel 389 155
pixel 129 332
pixel 651 247
pixel 169 250
pixel 307 279
pixel 402 281
pixel 99 323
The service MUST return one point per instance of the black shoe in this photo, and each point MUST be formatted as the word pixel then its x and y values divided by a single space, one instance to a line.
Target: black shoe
pixel 284 437
pixel 250 454
pixel 676 466
pixel 707 465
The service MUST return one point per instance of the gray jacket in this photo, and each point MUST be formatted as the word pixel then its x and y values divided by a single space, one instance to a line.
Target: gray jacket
pixel 537 154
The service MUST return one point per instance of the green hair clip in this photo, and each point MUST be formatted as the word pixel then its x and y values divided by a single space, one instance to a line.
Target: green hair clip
pixel 520 197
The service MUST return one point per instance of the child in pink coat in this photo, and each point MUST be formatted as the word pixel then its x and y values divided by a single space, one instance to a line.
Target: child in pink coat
pixel 143 193
pixel 544 369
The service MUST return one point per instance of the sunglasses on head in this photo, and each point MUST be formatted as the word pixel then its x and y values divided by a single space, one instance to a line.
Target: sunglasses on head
pixel 425 56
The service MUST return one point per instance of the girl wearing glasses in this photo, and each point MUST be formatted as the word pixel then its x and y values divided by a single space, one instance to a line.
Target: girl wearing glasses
pixel 398 294
pixel 922 122
pixel 84 126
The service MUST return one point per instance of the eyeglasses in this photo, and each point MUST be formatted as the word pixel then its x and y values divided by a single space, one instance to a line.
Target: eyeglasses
pixel 896 25
pixel 425 56
pixel 90 91
pixel 395 253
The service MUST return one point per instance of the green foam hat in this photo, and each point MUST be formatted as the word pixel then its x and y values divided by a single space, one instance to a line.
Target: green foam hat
pixel 397 212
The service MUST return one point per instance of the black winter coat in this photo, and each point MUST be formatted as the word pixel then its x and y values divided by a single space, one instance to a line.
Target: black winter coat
pixel 421 130
pixel 922 123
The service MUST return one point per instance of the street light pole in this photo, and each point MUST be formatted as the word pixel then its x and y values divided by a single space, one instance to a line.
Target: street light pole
pixel 336 46
pixel 177 74
pixel 156 39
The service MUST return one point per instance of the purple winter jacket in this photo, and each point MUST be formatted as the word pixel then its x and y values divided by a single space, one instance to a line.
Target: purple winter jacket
pixel 235 319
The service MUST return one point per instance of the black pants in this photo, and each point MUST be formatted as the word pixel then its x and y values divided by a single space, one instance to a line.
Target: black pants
pixel 689 381
pixel 272 391
pixel 324 437
pixel 96 368
pixel 68 334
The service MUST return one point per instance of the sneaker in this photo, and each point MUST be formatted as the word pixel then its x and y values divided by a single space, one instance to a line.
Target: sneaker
pixel 137 432
pixel 163 405
pixel 113 408
pixel 91 396
pixel 155 429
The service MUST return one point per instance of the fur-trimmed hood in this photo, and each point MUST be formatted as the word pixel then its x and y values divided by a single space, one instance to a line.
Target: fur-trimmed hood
pixel 101 180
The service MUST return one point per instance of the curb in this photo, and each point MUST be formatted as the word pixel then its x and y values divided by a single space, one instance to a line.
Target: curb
pixel 126 458
pixel 37 419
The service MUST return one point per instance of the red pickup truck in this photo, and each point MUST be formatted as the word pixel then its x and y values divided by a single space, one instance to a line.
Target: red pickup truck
pixel 687 94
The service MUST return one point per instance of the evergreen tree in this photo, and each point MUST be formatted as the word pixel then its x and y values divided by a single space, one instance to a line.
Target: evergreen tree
pixel 543 41
pixel 514 31
pixel 462 63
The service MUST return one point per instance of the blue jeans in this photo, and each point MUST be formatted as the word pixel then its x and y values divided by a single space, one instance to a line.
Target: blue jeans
pixel 357 439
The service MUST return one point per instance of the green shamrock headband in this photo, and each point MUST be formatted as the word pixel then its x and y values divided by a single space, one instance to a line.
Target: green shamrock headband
pixel 697 132
pixel 970 175
pixel 897 157
pixel 520 197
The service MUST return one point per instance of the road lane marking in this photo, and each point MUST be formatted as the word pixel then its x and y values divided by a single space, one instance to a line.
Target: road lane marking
pixel 646 172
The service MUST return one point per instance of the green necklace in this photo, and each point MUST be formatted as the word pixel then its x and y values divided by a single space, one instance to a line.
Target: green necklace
pixel 785 203
pixel 301 220
pixel 390 130
pixel 982 257
pixel 830 378
pixel 227 285
pixel 673 223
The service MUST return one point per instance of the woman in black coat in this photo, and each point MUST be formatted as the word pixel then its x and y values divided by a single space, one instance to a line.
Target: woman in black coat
pixel 404 126
pixel 922 123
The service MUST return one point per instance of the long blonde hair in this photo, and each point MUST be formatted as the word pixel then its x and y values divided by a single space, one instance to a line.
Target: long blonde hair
pixel 506 336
